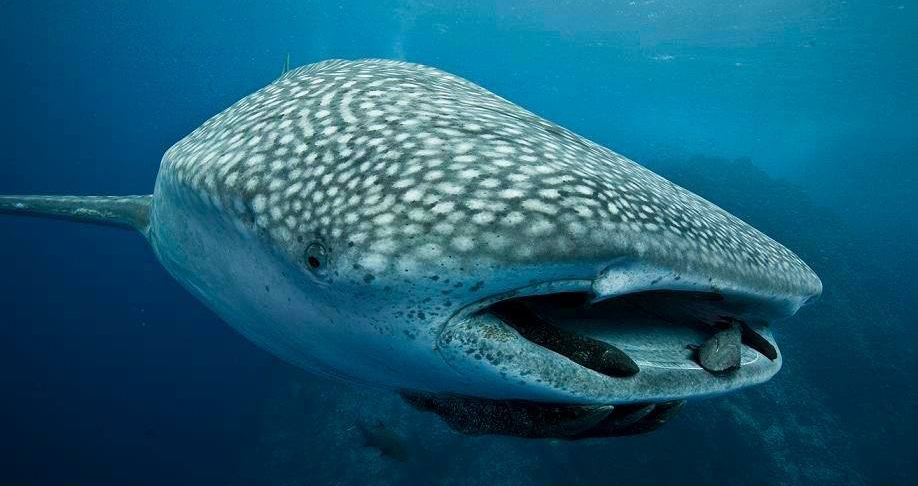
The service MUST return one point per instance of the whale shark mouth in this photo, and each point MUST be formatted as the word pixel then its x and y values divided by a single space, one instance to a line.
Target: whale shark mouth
pixel 619 336
pixel 562 342
pixel 618 366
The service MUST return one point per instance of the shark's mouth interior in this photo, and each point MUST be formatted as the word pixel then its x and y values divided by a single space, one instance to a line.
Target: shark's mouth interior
pixel 585 368
pixel 620 336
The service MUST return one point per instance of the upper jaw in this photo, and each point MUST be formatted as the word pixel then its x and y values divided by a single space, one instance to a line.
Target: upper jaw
pixel 742 298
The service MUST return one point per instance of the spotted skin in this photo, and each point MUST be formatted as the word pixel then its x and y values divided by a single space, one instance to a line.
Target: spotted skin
pixel 406 164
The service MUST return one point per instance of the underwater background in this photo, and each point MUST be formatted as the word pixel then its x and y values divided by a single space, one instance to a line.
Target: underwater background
pixel 797 116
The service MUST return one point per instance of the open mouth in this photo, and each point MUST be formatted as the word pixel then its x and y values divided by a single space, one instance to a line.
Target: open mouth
pixel 565 365
pixel 620 336
pixel 557 342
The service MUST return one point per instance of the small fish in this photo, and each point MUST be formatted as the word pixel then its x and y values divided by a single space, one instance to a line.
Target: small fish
pixel 385 440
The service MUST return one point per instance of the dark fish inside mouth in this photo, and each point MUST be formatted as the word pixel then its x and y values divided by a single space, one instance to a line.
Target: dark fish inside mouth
pixel 721 352
pixel 590 353
pixel 755 341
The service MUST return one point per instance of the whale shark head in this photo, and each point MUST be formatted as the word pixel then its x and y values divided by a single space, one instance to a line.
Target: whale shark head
pixel 392 224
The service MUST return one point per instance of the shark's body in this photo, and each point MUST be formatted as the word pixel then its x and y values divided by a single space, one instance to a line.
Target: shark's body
pixel 360 218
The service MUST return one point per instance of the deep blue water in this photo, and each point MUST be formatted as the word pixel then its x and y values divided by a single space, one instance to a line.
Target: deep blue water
pixel 797 116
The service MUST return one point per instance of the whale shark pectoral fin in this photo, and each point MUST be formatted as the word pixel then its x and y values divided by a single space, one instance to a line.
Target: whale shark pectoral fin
pixel 121 211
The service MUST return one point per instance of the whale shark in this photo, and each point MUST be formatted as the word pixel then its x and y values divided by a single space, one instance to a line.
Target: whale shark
pixel 391 224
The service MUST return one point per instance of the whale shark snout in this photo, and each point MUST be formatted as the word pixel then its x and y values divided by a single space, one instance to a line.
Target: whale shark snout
pixel 392 224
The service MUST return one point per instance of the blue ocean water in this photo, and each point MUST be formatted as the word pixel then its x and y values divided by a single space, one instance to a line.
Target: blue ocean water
pixel 797 116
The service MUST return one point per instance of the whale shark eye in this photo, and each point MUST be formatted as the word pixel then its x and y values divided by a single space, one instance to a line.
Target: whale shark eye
pixel 316 257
